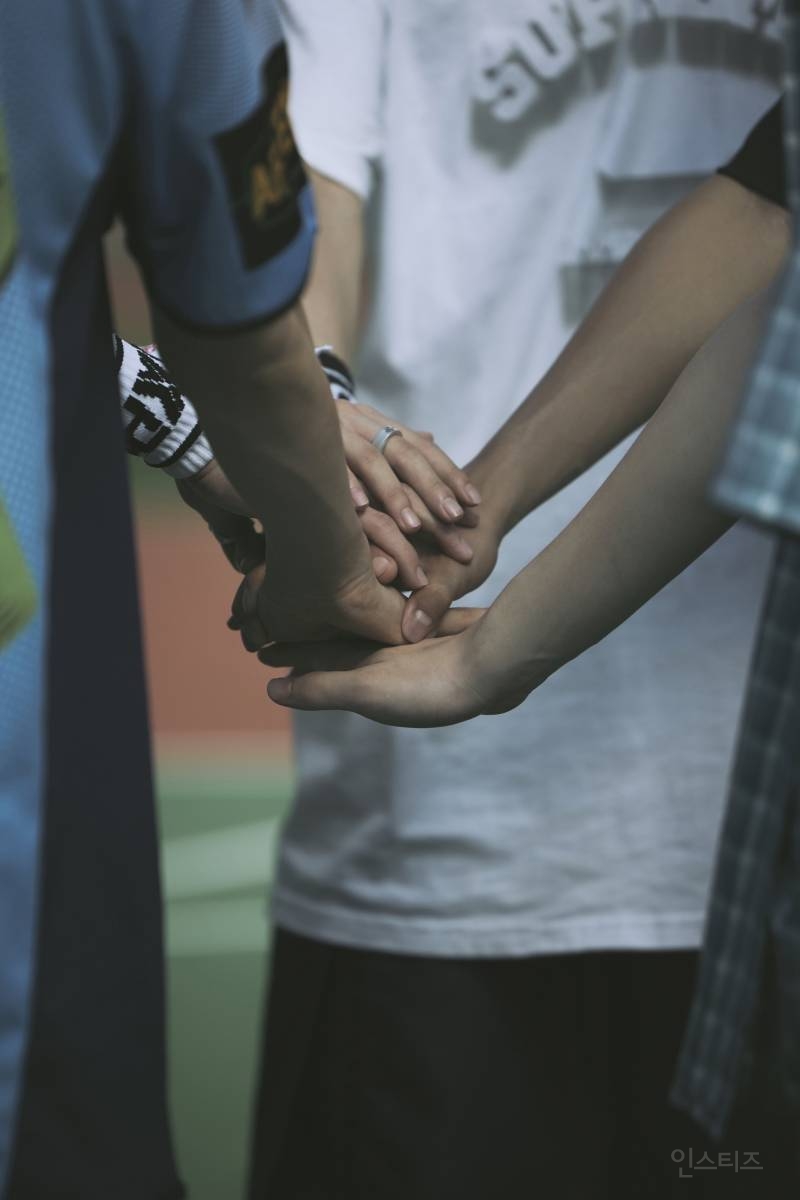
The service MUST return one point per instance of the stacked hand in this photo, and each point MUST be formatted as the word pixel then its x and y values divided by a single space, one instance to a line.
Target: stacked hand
pixel 413 487
pixel 436 680
pixel 419 514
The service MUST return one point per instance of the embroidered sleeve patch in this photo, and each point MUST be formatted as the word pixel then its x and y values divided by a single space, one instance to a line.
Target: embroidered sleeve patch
pixel 263 170
pixel 8 220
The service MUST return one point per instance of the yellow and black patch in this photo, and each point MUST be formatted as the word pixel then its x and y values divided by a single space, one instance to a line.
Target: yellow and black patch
pixel 263 170
pixel 8 216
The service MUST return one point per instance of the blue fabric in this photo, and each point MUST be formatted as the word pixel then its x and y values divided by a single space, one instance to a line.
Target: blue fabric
pixel 127 96
pixel 24 484
pixel 167 79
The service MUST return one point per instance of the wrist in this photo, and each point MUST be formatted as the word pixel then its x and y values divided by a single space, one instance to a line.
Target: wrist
pixel 497 499
pixel 507 670
pixel 161 426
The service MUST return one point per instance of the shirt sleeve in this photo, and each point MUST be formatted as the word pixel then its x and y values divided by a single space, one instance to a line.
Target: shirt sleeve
pixel 217 206
pixel 760 165
pixel 337 51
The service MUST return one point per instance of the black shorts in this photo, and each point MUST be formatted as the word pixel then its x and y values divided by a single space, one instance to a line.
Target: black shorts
pixel 394 1077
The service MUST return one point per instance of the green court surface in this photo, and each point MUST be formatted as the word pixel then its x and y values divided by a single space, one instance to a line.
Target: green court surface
pixel 219 828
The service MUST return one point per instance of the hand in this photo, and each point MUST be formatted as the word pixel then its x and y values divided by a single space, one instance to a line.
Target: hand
pixel 211 495
pixel 266 609
pixel 441 681
pixel 228 517
pixel 412 479
pixel 448 580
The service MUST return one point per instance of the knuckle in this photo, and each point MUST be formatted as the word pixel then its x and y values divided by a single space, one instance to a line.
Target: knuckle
pixel 371 459
pixel 384 524
pixel 395 496
pixel 359 454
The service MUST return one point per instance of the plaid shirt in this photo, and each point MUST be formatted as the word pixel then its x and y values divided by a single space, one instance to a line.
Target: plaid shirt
pixel 753 922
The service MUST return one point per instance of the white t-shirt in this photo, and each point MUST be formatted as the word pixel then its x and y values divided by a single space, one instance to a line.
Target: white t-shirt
pixel 510 152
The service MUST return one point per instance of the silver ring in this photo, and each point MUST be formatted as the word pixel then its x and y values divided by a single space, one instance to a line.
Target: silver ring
pixel 383 436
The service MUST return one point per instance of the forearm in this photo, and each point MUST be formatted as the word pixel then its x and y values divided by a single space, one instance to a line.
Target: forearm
pixel 685 276
pixel 332 300
pixel 648 521
pixel 268 411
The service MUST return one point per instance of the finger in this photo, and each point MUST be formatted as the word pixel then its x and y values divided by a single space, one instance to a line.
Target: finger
pixel 345 655
pixel 383 533
pixel 471 518
pixel 448 538
pixel 360 497
pixel 385 568
pixel 380 480
pixel 319 690
pixel 244 616
pixel 426 608
pixel 411 464
pixel 441 463
pixel 376 615
pixel 237 617
pixel 446 469
pixel 456 620
pixel 339 655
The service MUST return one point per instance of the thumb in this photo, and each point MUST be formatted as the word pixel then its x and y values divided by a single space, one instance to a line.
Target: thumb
pixel 456 620
pixel 313 691
pixel 425 609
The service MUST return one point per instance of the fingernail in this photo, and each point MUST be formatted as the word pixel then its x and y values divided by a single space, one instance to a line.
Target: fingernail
pixel 422 578
pixel 380 565
pixel 420 624
pixel 472 494
pixel 279 690
pixel 452 508
pixel 465 549
pixel 360 497
pixel 410 520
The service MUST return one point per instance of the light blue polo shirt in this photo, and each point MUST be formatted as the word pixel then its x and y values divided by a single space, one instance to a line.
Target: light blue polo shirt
pixel 172 115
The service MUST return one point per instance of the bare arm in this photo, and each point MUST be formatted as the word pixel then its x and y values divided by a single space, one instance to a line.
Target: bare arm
pixel 333 297
pixel 686 275
pixel 645 525
pixel 270 417
pixel 648 522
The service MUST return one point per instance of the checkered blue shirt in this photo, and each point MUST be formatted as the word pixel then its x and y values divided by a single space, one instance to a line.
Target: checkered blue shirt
pixel 753 926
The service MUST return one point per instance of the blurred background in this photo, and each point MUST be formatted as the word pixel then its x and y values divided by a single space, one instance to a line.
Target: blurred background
pixel 224 779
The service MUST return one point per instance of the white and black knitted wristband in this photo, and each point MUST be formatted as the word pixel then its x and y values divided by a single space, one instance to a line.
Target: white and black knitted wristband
pixel 340 379
pixel 161 425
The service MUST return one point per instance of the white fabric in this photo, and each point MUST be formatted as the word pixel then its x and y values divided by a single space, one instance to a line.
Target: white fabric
pixel 514 155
